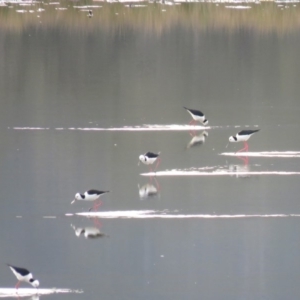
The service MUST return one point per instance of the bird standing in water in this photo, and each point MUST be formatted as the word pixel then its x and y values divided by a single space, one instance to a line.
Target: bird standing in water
pixel 197 115
pixel 23 275
pixel 90 195
pixel 150 158
pixel 242 136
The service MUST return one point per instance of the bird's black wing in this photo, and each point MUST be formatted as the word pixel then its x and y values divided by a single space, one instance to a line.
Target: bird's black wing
pixel 195 112
pixel 21 271
pixel 247 132
pixel 97 192
pixel 151 155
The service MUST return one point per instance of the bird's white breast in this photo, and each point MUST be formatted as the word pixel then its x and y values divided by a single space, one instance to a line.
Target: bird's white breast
pixel 20 277
pixel 243 138
pixel 92 197
pixel 147 160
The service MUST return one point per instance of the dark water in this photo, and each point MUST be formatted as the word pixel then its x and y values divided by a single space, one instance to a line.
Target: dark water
pixel 135 66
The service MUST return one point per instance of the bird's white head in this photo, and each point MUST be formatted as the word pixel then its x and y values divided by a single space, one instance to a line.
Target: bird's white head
pixel 205 122
pixel 142 158
pixel 78 196
pixel 34 282
pixel 232 139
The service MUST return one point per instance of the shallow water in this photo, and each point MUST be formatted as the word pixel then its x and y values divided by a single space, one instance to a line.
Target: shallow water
pixel 83 97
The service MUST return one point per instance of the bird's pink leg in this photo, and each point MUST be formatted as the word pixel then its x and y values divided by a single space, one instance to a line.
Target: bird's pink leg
pixel 157 164
pixel 245 147
pixel 17 285
pixel 150 171
pixel 98 204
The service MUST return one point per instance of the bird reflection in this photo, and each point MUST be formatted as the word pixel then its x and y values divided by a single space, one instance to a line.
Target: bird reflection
pixel 244 159
pixel 197 140
pixel 33 297
pixel 88 232
pixel 148 190
pixel 239 170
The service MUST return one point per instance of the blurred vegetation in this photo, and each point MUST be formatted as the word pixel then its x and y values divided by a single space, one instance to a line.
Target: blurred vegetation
pixel 264 17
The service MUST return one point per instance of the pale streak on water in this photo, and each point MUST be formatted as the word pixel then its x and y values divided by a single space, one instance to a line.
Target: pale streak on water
pixel 283 154
pixel 145 127
pixel 151 214
pixel 27 292
pixel 215 173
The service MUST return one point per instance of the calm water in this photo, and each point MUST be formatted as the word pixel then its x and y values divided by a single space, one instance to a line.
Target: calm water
pixel 127 66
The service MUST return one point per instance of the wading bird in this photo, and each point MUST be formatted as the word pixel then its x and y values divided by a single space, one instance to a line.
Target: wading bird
pixel 23 275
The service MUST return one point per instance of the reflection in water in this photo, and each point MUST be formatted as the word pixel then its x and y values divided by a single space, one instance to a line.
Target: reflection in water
pixel 34 297
pixel 148 190
pixel 198 16
pixel 88 232
pixel 241 171
pixel 197 140
pixel 244 159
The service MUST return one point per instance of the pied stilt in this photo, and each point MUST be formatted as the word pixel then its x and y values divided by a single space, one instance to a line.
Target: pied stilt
pixel 197 115
pixel 90 195
pixel 243 136
pixel 23 275
pixel 150 158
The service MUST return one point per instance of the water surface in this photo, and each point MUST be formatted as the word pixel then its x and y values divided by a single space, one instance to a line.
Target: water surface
pixel 83 97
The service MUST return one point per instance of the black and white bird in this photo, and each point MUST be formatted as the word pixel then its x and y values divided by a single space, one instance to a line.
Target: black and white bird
pixel 90 195
pixel 197 115
pixel 150 158
pixel 23 275
pixel 243 136
pixel 90 14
